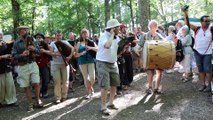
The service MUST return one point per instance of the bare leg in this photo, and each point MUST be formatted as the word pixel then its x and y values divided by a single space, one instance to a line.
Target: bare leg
pixel 37 91
pixel 28 94
pixel 112 94
pixel 202 78
pixel 150 77
pixel 158 78
pixel 209 78
pixel 103 98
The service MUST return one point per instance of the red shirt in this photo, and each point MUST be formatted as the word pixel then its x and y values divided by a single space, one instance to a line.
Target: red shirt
pixel 42 60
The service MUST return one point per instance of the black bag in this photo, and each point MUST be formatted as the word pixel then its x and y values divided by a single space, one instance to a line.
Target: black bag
pixel 91 44
pixel 179 51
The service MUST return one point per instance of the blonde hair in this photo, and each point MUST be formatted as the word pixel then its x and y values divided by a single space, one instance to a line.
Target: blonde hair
pixel 84 30
pixel 152 22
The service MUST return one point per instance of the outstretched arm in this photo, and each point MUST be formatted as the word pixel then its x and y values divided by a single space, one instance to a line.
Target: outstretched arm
pixel 186 19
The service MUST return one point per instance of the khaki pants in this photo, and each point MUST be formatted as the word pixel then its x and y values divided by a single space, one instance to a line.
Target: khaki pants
pixel 88 72
pixel 7 89
pixel 61 80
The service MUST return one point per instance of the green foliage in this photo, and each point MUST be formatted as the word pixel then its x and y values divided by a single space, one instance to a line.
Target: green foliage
pixel 74 15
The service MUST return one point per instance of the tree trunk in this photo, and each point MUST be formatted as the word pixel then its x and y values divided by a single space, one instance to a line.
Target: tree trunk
pixel 16 16
pixel 118 10
pixel 33 17
pixel 131 14
pixel 144 10
pixel 107 11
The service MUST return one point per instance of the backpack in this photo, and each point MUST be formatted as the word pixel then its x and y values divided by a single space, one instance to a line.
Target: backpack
pixel 179 51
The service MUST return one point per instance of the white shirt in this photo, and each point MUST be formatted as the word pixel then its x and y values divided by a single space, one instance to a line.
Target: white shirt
pixel 104 54
pixel 186 42
pixel 57 59
pixel 203 41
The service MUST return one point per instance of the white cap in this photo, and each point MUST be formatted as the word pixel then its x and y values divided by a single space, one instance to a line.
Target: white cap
pixel 112 23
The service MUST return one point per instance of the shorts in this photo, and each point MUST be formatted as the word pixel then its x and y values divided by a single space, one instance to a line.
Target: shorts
pixel 203 62
pixel 108 74
pixel 28 74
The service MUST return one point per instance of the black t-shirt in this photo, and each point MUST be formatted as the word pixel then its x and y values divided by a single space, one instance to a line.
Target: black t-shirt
pixel 4 63
pixel 73 43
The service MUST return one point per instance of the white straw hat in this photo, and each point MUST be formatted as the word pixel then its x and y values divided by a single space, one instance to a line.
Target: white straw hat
pixel 112 23
pixel 22 27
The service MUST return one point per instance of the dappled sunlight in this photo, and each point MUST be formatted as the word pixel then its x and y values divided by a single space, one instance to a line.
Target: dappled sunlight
pixel 128 100
pixel 155 108
pixel 139 76
pixel 63 105
pixel 84 102
pixel 53 108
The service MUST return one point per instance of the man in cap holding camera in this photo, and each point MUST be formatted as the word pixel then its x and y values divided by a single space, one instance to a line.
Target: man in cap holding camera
pixel 202 49
pixel 107 68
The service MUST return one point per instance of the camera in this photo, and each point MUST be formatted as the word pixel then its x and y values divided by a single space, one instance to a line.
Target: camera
pixel 185 8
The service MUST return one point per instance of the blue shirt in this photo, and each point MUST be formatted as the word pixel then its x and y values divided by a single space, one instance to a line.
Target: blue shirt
pixel 86 58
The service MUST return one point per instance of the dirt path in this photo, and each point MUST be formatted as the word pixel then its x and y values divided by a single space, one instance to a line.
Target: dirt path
pixel 179 101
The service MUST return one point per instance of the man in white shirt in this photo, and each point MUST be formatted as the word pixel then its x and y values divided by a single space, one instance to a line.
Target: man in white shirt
pixel 203 51
pixel 107 68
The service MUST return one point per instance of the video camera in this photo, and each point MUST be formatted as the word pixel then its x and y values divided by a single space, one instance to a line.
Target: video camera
pixel 185 8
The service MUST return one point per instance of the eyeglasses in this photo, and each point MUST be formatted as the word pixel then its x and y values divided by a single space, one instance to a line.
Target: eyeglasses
pixel 206 21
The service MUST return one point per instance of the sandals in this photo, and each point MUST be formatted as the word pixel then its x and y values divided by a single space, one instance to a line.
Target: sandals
pixel 157 91
pixel 112 107
pixel 149 91
pixel 185 80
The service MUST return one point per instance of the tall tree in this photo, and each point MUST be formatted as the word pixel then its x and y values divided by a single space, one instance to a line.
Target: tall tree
pixel 144 8
pixel 107 11
pixel 16 15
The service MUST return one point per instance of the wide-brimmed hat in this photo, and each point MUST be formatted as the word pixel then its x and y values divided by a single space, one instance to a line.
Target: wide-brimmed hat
pixel 39 34
pixel 112 23
pixel 22 27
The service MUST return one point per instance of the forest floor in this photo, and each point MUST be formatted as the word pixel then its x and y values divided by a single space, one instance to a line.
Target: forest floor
pixel 179 101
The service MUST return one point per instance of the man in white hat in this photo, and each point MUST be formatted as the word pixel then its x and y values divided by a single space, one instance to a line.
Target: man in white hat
pixel 28 72
pixel 106 64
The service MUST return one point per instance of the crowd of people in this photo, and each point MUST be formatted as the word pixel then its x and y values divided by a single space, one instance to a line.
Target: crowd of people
pixel 37 59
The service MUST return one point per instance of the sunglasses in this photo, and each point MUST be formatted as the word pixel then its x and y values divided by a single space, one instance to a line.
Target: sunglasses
pixel 206 21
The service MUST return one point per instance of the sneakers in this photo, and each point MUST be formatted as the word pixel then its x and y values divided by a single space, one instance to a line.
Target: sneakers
pixel 30 108
pixel 149 91
pixel 44 95
pixel 118 93
pixel 126 87
pixel 105 112
pixel 88 96
pixel 202 88
pixel 39 104
pixel 207 89
pixel 57 101
pixel 63 99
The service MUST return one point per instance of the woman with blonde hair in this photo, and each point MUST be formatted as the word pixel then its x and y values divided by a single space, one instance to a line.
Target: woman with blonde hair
pixel 85 61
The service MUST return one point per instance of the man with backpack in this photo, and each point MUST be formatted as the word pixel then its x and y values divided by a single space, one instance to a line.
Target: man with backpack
pixel 203 50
